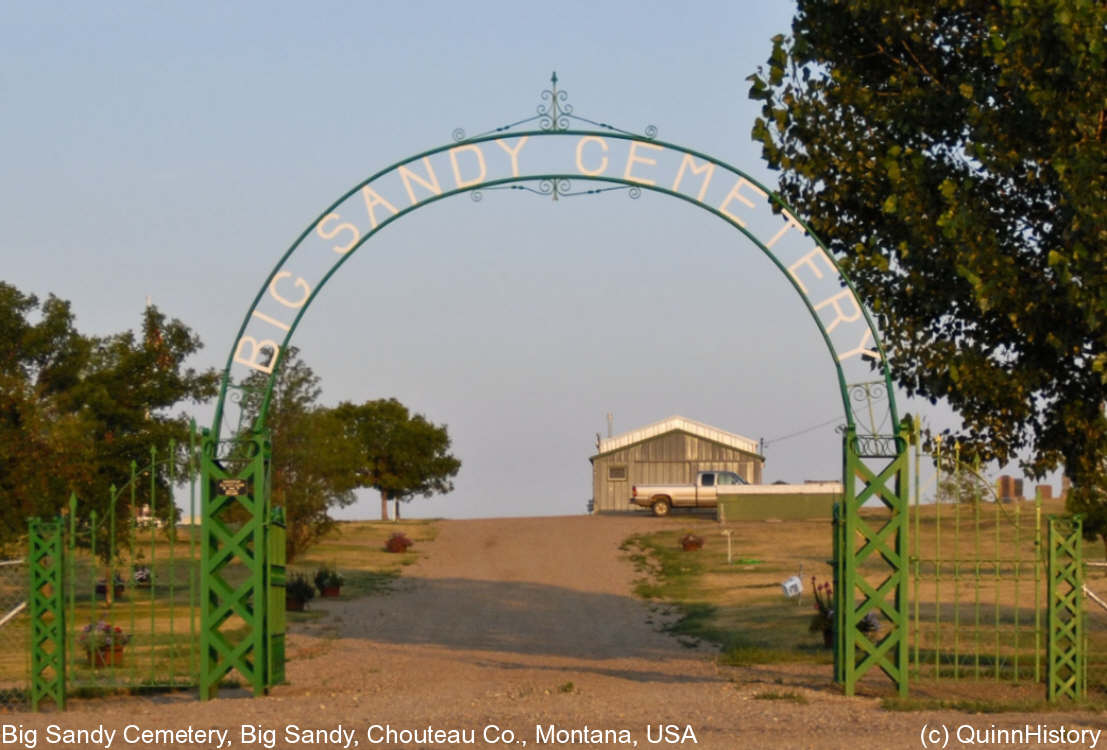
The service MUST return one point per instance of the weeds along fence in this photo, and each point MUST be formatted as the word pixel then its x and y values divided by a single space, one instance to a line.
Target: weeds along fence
pixel 15 662
pixel 980 598
pixel 130 584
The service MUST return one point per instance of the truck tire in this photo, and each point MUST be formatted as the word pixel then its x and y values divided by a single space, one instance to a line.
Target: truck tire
pixel 660 506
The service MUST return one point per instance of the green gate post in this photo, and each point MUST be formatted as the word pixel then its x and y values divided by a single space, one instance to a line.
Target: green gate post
pixel 838 564
pixel 860 542
pixel 240 538
pixel 1066 657
pixel 274 616
pixel 47 613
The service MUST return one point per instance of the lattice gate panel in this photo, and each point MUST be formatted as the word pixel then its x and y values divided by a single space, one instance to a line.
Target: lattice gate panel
pixel 47 613
pixel 1066 657
pixel 871 554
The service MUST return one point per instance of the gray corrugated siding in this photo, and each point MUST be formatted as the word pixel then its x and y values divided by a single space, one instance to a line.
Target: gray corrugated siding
pixel 673 457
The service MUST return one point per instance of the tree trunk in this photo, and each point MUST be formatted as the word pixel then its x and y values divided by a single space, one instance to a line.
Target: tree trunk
pixel 384 505
pixel 396 509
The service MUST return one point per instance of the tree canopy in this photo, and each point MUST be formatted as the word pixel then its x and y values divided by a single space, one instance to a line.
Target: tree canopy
pixel 403 454
pixel 951 154
pixel 76 410
pixel 313 464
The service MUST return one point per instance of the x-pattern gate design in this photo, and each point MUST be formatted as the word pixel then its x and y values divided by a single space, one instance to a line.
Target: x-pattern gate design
pixel 861 540
pixel 1066 618
pixel 47 613
pixel 231 498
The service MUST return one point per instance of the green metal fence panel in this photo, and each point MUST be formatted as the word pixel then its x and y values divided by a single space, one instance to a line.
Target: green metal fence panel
pixel 47 613
pixel 871 595
pixel 1066 674
pixel 234 592
pixel 130 583
pixel 15 657
pixel 976 576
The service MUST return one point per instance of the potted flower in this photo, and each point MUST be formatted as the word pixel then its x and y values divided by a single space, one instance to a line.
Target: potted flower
pixel 398 542
pixel 690 542
pixel 142 575
pixel 823 619
pixel 297 593
pixel 329 582
pixel 117 584
pixel 103 643
pixel 140 570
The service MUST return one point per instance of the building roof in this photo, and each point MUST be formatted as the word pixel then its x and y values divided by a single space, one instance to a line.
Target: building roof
pixel 683 424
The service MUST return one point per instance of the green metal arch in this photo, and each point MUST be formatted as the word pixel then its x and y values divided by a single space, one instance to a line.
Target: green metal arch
pixel 773 197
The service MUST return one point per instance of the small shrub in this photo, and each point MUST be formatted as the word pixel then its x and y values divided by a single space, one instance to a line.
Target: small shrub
pixel 100 635
pixel 691 542
pixel 398 542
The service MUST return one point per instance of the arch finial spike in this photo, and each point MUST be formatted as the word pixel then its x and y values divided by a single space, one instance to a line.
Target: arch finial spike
pixel 553 78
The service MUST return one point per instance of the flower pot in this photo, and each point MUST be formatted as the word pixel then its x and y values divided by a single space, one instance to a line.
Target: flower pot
pixel 102 589
pixel 108 656
pixel 691 543
pixel 331 592
pixel 293 604
pixel 828 638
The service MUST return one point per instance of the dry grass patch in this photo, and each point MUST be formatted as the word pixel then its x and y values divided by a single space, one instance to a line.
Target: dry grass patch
pixel 739 605
pixel 356 549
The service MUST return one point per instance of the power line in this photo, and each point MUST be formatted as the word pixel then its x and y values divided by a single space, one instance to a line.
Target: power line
pixel 803 431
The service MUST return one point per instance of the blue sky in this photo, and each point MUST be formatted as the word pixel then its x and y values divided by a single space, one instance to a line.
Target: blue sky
pixel 175 150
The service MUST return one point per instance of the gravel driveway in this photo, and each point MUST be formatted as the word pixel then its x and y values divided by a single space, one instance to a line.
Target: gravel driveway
pixel 524 630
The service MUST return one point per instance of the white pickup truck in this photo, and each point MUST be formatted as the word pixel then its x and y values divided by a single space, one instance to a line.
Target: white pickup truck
pixel 662 498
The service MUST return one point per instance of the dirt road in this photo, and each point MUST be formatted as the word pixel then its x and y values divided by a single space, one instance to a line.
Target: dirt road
pixel 524 632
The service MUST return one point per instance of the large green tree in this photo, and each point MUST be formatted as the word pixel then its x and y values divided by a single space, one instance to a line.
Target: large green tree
pixel 76 410
pixel 314 465
pixel 953 155
pixel 44 453
pixel 402 454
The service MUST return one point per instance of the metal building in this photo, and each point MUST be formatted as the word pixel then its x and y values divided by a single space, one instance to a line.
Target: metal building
pixel 671 450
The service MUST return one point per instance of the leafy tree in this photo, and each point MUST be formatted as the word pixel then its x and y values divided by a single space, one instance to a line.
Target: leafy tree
pixel 41 446
pixel 126 396
pixel 1094 511
pixel 402 454
pixel 951 153
pixel 314 465
pixel 75 411
pixel 962 485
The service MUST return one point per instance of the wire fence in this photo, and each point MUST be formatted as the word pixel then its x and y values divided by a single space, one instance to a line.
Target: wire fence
pixel 1095 630
pixel 14 636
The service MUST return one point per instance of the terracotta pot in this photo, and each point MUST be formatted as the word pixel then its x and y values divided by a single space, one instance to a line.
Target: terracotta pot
pixel 330 592
pixel 108 656
pixel 828 638
pixel 292 604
